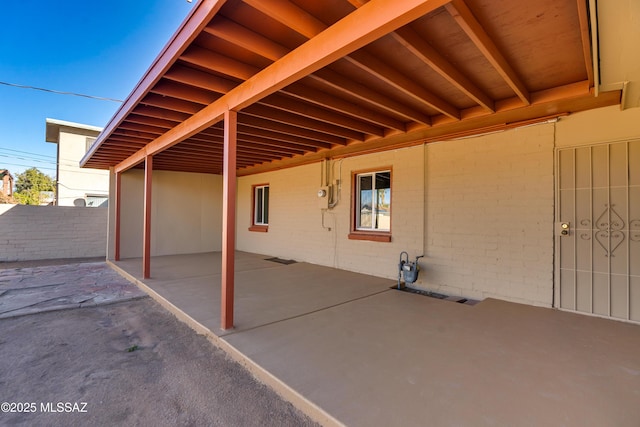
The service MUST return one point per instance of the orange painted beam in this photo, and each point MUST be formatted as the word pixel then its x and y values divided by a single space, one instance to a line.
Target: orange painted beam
pixel 117 209
pixel 200 15
pixel 402 83
pixel 423 50
pixel 459 10
pixel 146 238
pixel 228 219
pixel 368 23
pixel 585 35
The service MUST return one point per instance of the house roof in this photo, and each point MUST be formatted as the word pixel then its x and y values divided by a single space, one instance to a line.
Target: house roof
pixel 313 79
pixel 53 126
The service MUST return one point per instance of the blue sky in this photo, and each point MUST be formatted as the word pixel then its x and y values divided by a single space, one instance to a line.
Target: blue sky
pixel 99 48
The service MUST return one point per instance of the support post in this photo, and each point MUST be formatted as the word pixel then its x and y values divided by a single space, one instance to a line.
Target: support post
pixel 228 218
pixel 146 244
pixel 117 210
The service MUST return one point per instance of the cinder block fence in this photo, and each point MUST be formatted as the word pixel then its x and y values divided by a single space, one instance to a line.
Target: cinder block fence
pixel 48 232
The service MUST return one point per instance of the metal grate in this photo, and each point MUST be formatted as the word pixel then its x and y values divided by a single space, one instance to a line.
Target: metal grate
pixel 281 261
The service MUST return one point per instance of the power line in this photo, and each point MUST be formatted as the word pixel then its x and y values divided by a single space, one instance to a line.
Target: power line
pixel 63 162
pixel 31 157
pixel 28 166
pixel 100 98
pixel 27 152
pixel 27 159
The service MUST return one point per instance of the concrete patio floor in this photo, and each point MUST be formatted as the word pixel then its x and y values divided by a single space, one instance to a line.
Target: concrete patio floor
pixel 349 350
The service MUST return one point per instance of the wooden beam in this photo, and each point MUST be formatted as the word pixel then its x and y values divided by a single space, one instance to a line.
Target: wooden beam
pixel 300 21
pixel 242 36
pixel 146 240
pixel 199 155
pixel 459 10
pixel 548 103
pixel 399 81
pixel 278 111
pixel 300 145
pixel 354 126
pixel 184 92
pixel 368 96
pixel 251 140
pixel 201 14
pixel 182 74
pixel 276 136
pixel 258 120
pixel 254 42
pixel 159 113
pixel 228 219
pixel 585 36
pixel 216 136
pixel 331 102
pixel 342 125
pixel 290 15
pixel 171 104
pixel 216 62
pixel 151 121
pixel 426 53
pixel 144 128
pixel 368 23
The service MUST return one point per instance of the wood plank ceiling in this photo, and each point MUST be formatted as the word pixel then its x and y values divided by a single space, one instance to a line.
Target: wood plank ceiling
pixel 469 66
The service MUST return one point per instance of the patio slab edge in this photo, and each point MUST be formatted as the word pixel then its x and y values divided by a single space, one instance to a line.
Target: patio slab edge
pixel 62 307
pixel 309 408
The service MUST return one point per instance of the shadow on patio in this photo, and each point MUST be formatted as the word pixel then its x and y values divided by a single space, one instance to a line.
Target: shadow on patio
pixel 360 353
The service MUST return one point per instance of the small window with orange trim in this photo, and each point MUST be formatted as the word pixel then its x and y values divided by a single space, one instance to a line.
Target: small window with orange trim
pixel 260 211
pixel 372 206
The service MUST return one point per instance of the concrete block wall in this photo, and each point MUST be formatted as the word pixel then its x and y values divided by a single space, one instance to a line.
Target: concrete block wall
pixel 489 216
pixel 49 232
pixel 186 213
pixel 296 224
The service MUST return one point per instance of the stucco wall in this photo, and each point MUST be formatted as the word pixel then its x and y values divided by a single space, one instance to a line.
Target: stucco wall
pixel 597 126
pixel 295 223
pixel 75 183
pixel 49 232
pixel 489 216
pixel 481 209
pixel 186 213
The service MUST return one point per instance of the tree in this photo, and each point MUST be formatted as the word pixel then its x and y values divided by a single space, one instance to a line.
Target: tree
pixel 30 185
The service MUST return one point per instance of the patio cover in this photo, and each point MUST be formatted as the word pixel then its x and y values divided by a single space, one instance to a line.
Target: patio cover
pixel 312 79
pixel 247 86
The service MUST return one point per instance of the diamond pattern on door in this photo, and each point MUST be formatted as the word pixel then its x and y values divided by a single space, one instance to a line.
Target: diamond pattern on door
pixel 598 250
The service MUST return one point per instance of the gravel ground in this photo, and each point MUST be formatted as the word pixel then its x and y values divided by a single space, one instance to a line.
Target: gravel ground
pixel 130 363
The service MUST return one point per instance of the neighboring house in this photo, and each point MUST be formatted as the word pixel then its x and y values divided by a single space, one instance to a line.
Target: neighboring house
pixel 499 139
pixel 76 186
pixel 6 182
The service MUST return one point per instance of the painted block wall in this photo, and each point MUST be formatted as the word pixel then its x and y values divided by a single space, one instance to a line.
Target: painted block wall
pixel 51 232
pixel 603 125
pixel 296 224
pixel 75 183
pixel 481 209
pixel 489 213
pixel 186 213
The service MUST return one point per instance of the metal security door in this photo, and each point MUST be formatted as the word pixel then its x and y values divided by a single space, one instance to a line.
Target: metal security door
pixel 598 230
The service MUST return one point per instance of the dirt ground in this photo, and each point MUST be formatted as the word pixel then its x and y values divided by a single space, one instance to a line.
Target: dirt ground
pixel 130 363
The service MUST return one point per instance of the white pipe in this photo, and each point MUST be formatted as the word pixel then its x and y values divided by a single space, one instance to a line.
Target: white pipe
pixel 337 196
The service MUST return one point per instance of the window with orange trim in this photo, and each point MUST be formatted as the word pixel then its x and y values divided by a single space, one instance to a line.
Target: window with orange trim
pixel 260 221
pixel 372 206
